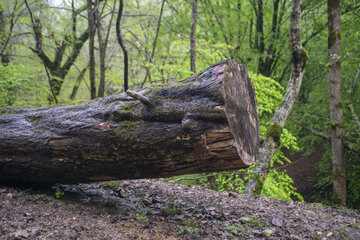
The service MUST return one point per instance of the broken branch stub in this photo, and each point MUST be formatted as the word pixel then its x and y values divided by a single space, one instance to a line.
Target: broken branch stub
pixel 205 123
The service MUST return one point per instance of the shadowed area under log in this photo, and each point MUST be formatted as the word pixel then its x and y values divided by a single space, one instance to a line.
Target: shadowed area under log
pixel 208 122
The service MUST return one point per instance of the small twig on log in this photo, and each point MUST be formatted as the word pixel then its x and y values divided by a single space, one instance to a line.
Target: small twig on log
pixel 138 96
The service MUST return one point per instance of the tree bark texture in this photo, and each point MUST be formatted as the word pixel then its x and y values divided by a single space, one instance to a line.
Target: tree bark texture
pixel 336 113
pixel 193 36
pixel 270 144
pixel 206 123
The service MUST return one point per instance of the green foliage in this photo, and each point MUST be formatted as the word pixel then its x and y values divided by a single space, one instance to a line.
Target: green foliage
pixel 274 131
pixel 171 209
pixel 242 230
pixel 17 86
pixel 279 185
pixel 141 217
pixel 190 226
pixel 231 182
pixel 111 202
pixel 112 184
pixel 255 222
pixel 207 54
pixel 235 229
pixel 269 93
pixel 59 193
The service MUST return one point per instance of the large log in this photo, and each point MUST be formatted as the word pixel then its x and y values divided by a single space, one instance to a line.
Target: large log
pixel 206 123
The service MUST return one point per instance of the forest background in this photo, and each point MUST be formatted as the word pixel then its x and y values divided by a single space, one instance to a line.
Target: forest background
pixel 45 59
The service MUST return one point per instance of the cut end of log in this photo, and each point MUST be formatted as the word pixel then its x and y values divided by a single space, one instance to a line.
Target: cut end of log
pixel 241 111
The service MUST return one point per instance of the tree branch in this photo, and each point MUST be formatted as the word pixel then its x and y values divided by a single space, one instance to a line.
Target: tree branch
pixel 38 40
pixel 122 45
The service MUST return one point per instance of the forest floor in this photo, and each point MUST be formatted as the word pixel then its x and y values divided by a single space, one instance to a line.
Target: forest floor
pixel 151 209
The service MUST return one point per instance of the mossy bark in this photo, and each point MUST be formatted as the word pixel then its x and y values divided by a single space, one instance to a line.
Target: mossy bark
pixel 206 123
pixel 336 111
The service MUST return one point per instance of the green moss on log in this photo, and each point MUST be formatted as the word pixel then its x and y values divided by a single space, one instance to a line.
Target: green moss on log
pixel 274 131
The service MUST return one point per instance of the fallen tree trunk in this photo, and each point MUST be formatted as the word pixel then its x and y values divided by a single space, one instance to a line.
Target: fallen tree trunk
pixel 206 123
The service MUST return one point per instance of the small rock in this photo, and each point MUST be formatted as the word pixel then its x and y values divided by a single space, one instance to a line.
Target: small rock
pixel 10 196
pixel 20 234
pixel 291 205
pixel 330 234
pixel 268 232
pixel 296 237
pixel 226 223
pixel 257 232
pixel 211 209
pixel 277 221
pixel 232 194
pixel 121 193
pixel 146 201
pixel 245 219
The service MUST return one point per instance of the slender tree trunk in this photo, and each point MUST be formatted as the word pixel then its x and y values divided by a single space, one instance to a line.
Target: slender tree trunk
pixel 350 104
pixel 122 45
pixel 103 43
pixel 336 113
pixel 91 29
pixel 299 57
pixel 38 38
pixel 250 34
pixel 259 36
pixel 102 51
pixel 154 44
pixel 77 83
pixel 269 59
pixel 4 56
pixel 193 36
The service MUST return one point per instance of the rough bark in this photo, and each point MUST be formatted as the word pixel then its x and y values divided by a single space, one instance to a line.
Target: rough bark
pixel 206 123
pixel 336 113
pixel 298 60
pixel 193 36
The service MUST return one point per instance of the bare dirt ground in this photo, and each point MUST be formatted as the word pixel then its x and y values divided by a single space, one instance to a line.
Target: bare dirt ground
pixel 150 209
